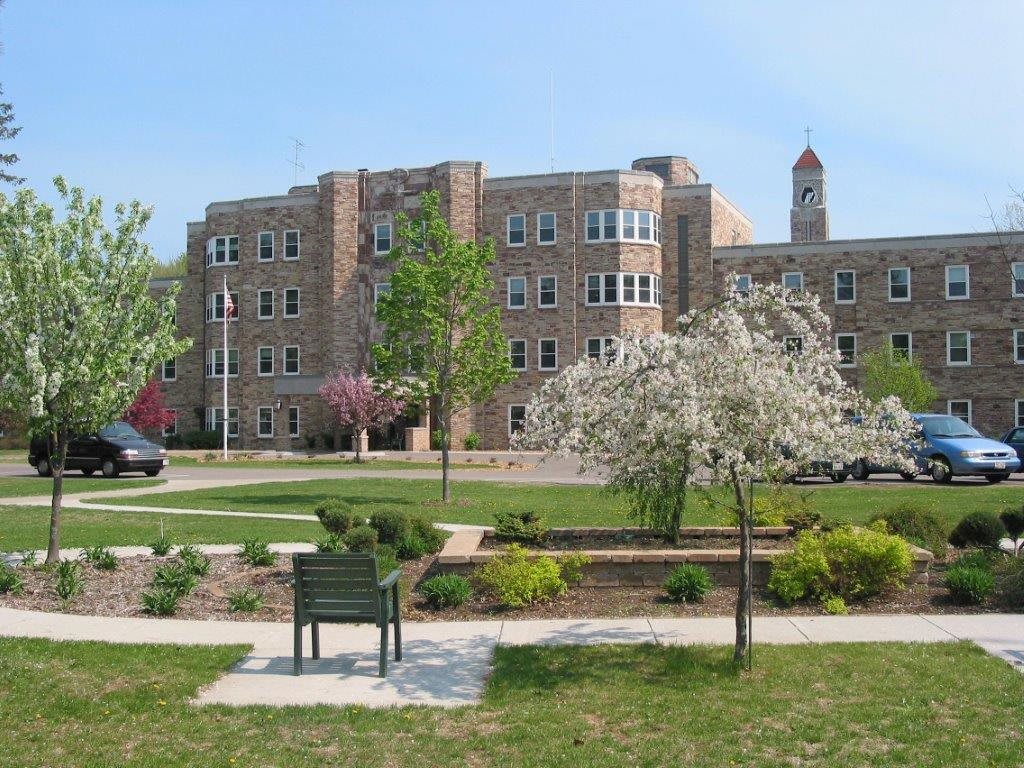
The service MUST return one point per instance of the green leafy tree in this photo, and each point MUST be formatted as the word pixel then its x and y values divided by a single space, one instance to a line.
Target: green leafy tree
pixel 442 332
pixel 888 372
pixel 80 334
pixel 176 267
pixel 8 131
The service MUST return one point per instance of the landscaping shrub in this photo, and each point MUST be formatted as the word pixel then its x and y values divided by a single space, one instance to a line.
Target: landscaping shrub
pixel 69 583
pixel 772 508
pixel 29 558
pixel 256 552
pixel 362 538
pixel 571 565
pixel 176 578
pixel 1009 583
pixel 979 558
pixel 1013 520
pixel 689 583
pixel 446 591
pixel 161 546
pixel 802 519
pixel 10 580
pixel 194 561
pixel 387 560
pixel 100 557
pixel 516 581
pixel 335 515
pixel 391 525
pixel 436 439
pixel 331 542
pixel 969 584
pixel 918 525
pixel 521 527
pixel 802 572
pixel 835 606
pixel 202 439
pixel 161 601
pixel 421 538
pixel 245 600
pixel 978 529
pixel 471 442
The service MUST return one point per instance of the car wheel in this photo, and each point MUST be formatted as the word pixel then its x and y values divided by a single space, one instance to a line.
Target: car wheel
pixel 88 472
pixel 43 468
pixel 941 472
pixel 152 472
pixel 860 470
pixel 997 478
pixel 838 477
pixel 908 476
pixel 109 468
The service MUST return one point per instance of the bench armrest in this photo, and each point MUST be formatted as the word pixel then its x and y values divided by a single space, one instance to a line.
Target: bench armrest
pixel 391 579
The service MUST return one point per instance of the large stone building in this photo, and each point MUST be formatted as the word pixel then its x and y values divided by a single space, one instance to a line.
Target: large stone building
pixel 581 258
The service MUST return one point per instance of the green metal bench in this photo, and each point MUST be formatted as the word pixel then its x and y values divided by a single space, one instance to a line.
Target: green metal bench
pixel 344 588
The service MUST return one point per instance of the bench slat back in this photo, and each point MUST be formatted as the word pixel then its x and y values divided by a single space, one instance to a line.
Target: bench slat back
pixel 337 586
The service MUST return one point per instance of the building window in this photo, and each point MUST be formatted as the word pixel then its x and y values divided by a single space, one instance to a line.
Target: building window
pixel 602 349
pixel 291 244
pixel 624 288
pixel 627 225
pixel 172 428
pixel 265 304
pixel 742 285
pixel 517 354
pixel 265 421
pixel 516 229
pixel 379 289
pixel 959 408
pixel 215 363
pixel 215 420
pixel 958 282
pixel 169 370
pixel 381 239
pixel 902 344
pixel 899 284
pixel 265 361
pixel 546 233
pixel 293 421
pixel 265 241
pixel 846 286
pixel 215 306
pixel 793 344
pixel 516 292
pixel 1017 288
pixel 547 354
pixel 793 282
pixel 547 291
pixel 291 361
pixel 516 419
pixel 221 251
pixel 958 348
pixel 291 302
pixel 1018 409
pixel 846 345
pixel 1018 346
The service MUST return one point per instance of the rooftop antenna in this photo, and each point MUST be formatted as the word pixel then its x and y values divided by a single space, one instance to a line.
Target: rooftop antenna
pixel 294 161
pixel 808 130
pixel 552 109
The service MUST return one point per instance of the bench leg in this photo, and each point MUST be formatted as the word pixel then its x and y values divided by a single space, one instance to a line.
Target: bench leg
pixel 298 649
pixel 316 639
pixel 382 671
pixel 398 629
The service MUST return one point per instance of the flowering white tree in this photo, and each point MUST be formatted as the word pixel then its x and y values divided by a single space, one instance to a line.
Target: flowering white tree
pixel 80 334
pixel 723 395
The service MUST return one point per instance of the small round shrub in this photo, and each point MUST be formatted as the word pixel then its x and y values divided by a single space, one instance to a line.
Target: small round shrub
pixel 835 606
pixel 520 527
pixel 193 561
pixel 1009 578
pixel 969 584
pixel 100 557
pixel 161 601
pixel 689 583
pixel 331 542
pixel 979 558
pixel 472 441
pixel 10 580
pixel 571 565
pixel 176 578
pixel 1013 520
pixel 447 591
pixel 335 515
pixel 161 546
pixel 432 536
pixel 978 529
pixel 362 538
pixel 391 525
pixel 517 581
pixel 245 600
pixel 256 552
pixel 917 524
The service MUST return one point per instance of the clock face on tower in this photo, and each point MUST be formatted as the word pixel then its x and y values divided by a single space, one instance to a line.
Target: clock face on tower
pixel 808 196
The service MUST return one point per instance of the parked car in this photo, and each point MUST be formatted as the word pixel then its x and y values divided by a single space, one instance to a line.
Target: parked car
pixel 1015 439
pixel 114 449
pixel 836 471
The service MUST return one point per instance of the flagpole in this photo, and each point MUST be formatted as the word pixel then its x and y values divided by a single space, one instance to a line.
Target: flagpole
pixel 225 413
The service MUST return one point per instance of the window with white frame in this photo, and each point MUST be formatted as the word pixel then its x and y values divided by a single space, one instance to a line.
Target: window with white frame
pixel 899 284
pixel 846 286
pixel 546 230
pixel 379 289
pixel 265 246
pixel 1018 412
pixel 958 282
pixel 959 408
pixel 221 251
pixel 293 421
pixel 602 348
pixel 793 282
pixel 291 302
pixel 172 428
pixel 958 348
pixel 742 285
pixel 1017 286
pixel 265 421
pixel 516 229
pixel 291 361
pixel 291 244
pixel 547 354
pixel 215 363
pixel 1018 346
pixel 547 291
pixel 846 345
pixel 516 292
pixel 630 225
pixel 516 419
pixel 215 306
pixel 215 420
pixel 902 344
pixel 169 370
pixel 517 354
pixel 382 239
pixel 265 361
pixel 265 304
pixel 794 345
pixel 624 288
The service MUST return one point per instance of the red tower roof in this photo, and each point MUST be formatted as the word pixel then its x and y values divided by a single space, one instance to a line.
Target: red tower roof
pixel 807 160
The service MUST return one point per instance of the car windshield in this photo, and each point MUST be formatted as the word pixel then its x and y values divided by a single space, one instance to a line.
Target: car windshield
pixel 947 426
pixel 119 430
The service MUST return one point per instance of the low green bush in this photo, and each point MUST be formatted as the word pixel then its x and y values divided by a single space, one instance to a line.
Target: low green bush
pixel 69 582
pixel 335 515
pixel 1013 520
pixel 387 560
pixel 520 527
pixel 330 542
pixel 917 524
pixel 245 600
pixel 160 601
pixel 391 525
pixel 471 441
pixel 969 584
pixel 161 546
pixel 193 561
pixel 979 558
pixel 689 583
pixel 517 581
pixel 978 529
pixel 835 606
pixel 100 557
pixel 202 439
pixel 1009 583
pixel 436 439
pixel 256 552
pixel 175 577
pixel 771 509
pixel 362 538
pixel 10 580
pixel 446 591
pixel 421 538
pixel 571 566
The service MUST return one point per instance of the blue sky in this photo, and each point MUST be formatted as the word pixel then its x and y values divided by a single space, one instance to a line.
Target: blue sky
pixel 915 107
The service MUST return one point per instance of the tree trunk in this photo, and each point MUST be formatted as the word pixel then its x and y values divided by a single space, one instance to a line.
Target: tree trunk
pixel 743 601
pixel 57 462
pixel 680 503
pixel 446 418
pixel 357 440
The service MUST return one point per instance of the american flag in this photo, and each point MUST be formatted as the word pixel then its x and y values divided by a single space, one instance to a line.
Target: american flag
pixel 229 306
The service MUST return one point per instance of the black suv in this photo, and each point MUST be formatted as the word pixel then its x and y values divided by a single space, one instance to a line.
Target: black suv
pixel 114 449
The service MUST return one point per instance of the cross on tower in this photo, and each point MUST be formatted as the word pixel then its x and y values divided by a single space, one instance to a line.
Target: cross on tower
pixel 808 131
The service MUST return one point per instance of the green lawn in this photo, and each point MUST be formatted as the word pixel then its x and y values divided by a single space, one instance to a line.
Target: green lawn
pixel 75 483
pixel 189 461
pixel 916 706
pixel 13 455
pixel 28 528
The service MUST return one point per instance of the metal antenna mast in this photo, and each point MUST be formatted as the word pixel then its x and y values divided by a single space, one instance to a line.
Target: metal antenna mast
pixel 294 161
pixel 552 108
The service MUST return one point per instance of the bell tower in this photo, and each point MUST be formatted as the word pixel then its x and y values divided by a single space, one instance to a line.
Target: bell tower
pixel 808 218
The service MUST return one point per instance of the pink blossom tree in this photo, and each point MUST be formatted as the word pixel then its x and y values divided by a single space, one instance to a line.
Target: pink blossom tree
pixel 357 402
pixel 148 410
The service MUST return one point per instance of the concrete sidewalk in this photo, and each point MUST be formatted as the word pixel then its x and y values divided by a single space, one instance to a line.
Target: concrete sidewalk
pixel 446 663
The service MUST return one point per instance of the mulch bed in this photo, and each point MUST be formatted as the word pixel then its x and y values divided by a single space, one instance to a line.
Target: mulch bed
pixel 116 593
pixel 618 542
